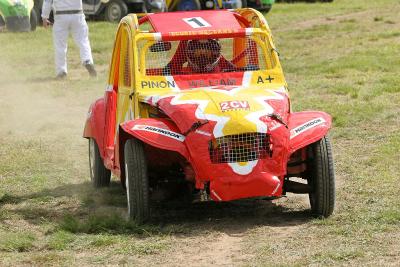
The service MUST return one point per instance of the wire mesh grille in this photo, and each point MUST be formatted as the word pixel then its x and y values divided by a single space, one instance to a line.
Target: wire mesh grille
pixel 202 56
pixel 239 148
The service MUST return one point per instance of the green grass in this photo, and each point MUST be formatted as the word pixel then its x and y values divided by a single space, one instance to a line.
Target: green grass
pixel 340 57
pixel 60 240
pixel 16 242
pixel 113 224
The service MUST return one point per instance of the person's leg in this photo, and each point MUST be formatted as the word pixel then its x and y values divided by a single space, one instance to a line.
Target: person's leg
pixel 80 33
pixel 60 40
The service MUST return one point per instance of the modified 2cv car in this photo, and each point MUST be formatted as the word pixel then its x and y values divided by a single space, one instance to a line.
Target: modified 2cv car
pixel 199 99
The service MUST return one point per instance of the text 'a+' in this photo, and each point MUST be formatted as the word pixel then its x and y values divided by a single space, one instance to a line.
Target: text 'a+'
pixel 263 80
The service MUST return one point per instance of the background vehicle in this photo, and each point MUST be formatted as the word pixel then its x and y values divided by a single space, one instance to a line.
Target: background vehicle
pixel 187 5
pixel 115 10
pixel 109 10
pixel 261 5
pixel 18 15
pixel 310 1
pixel 199 106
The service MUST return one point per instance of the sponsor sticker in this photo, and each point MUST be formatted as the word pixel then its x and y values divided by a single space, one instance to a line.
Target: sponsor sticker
pixel 306 126
pixel 211 82
pixel 161 131
pixel 202 32
pixel 203 133
pixel 158 84
pixel 234 105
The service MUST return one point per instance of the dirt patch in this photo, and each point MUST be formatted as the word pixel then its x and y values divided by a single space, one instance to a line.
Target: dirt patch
pixel 219 249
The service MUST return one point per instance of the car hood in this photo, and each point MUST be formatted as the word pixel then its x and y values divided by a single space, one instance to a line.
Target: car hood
pixel 228 110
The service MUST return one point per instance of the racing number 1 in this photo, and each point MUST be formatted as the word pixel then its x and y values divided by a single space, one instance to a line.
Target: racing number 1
pixel 197 22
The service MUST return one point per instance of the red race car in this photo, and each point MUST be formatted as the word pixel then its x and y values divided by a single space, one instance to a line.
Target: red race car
pixel 197 101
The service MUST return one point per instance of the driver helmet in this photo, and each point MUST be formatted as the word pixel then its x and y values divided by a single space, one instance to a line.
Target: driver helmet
pixel 203 55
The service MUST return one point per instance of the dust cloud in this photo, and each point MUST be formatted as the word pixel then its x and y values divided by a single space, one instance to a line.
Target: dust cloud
pixel 50 113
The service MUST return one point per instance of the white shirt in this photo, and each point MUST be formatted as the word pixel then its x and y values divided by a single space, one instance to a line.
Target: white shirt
pixel 60 5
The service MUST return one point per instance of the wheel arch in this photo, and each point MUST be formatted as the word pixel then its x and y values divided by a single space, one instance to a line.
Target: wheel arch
pixel 94 125
pixel 137 129
pixel 307 127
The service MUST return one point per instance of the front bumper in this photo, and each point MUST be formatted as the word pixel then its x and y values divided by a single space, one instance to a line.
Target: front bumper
pixel 252 176
pixel 18 23
pixel 261 184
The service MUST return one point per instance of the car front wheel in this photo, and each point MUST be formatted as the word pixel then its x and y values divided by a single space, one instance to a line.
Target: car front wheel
pixel 99 174
pixel 136 180
pixel 321 178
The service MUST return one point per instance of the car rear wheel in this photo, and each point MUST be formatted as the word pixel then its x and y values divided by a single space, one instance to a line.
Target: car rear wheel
pixel 115 11
pixel 137 181
pixel 321 178
pixel 99 174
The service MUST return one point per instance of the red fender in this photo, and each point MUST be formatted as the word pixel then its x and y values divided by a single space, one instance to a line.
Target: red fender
pixel 94 124
pixel 160 133
pixel 307 127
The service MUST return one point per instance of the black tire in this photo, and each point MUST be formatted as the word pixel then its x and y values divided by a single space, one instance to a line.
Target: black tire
pixel 99 174
pixel 322 178
pixel 37 5
pixel 115 11
pixel 33 19
pixel 137 181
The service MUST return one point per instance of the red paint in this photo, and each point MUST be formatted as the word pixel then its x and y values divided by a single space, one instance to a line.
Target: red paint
pixel 216 20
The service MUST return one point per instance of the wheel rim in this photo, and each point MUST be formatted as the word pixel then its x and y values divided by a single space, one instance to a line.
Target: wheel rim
pixel 91 157
pixel 114 12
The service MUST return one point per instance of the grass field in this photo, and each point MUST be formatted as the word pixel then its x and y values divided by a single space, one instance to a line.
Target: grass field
pixel 342 58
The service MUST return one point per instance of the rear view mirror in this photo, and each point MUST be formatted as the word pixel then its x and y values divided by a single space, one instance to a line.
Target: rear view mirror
pixel 160 46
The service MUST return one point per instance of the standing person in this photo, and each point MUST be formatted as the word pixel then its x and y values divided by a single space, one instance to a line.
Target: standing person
pixel 68 17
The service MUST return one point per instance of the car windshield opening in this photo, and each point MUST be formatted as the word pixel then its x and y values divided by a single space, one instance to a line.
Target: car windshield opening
pixel 203 56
